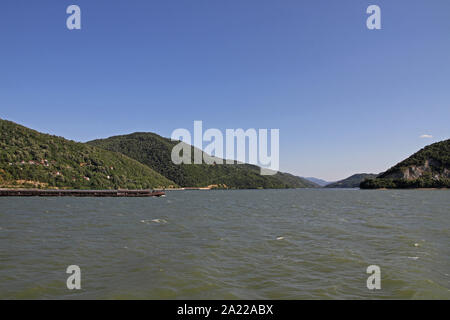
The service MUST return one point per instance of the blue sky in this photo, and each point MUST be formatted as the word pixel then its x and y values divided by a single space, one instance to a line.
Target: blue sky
pixel 346 99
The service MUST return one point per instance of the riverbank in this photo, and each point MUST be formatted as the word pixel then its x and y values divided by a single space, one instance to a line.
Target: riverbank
pixel 78 193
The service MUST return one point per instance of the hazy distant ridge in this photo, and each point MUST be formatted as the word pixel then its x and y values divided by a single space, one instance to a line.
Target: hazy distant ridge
pixel 318 181
pixel 352 181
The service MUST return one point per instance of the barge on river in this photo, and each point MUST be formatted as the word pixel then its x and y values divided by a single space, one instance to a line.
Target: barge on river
pixel 79 193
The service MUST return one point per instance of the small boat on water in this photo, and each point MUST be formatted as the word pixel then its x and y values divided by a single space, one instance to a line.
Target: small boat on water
pixel 79 193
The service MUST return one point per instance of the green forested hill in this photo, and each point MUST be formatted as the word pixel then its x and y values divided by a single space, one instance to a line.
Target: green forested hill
pixel 32 159
pixel 436 154
pixel 427 168
pixel 155 151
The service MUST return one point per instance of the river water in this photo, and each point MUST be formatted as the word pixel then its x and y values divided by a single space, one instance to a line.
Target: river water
pixel 247 244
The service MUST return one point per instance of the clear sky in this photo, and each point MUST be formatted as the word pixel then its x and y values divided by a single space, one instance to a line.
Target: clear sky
pixel 346 99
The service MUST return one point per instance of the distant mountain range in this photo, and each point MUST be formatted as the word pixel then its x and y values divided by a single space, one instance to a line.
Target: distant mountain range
pixel 318 181
pixel 136 161
pixel 143 160
pixel 352 181
pixel 427 168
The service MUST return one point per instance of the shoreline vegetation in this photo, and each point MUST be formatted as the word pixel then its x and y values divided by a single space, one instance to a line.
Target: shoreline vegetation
pixel 405 184
pixel 140 161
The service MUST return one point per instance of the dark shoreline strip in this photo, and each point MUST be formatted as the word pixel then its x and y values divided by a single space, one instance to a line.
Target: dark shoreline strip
pixel 78 193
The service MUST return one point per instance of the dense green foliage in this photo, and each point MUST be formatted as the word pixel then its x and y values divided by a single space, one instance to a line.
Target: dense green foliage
pixel 436 175
pixel 352 181
pixel 155 152
pixel 425 182
pixel 32 159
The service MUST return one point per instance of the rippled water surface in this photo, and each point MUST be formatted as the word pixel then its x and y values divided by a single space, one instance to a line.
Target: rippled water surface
pixel 252 244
